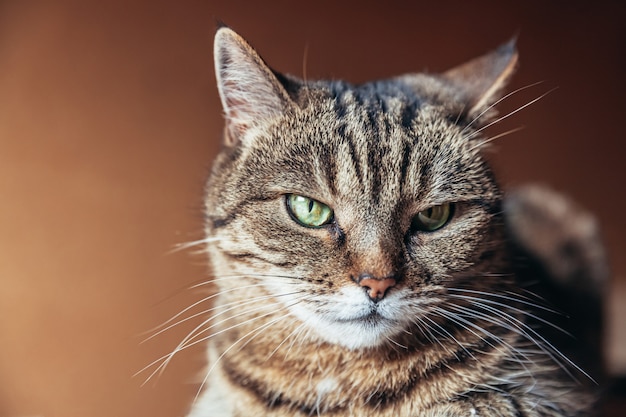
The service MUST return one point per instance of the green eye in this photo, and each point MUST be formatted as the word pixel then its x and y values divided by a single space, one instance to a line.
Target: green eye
pixel 308 212
pixel 433 218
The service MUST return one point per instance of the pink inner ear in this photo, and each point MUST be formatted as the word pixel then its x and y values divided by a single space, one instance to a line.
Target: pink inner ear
pixel 249 90
pixel 234 103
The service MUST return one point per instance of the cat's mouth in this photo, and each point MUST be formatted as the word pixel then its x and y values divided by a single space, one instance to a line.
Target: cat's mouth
pixel 352 308
pixel 352 320
pixel 371 317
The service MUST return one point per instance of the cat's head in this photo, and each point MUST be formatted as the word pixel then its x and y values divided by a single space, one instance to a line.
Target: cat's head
pixel 353 208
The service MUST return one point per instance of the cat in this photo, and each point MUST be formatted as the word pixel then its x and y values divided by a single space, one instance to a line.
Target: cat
pixel 365 257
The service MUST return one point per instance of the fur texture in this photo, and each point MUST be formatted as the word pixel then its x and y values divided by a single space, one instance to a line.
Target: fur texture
pixel 295 332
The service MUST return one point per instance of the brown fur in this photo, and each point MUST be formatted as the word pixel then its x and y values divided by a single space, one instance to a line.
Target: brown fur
pixel 290 336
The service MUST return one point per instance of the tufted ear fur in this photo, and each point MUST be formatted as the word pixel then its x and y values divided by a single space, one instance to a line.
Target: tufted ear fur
pixel 250 92
pixel 482 79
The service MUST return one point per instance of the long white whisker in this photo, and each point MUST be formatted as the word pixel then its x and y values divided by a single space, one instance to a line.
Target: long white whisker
pixel 303 329
pixel 197 332
pixel 447 333
pixel 475 314
pixel 296 330
pixel 186 245
pixel 189 340
pixel 426 331
pixel 184 344
pixel 511 297
pixel 250 276
pixel 499 119
pixel 396 343
pixel 498 102
pixel 492 138
pixel 252 332
pixel 233 305
pixel 517 310
pixel 534 337
pixel 203 300
pixel 455 318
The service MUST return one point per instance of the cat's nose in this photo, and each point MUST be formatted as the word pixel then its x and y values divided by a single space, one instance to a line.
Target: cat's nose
pixel 376 287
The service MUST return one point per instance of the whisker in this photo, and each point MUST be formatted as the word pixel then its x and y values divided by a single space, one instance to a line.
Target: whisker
pixel 455 318
pixel 203 300
pixel 396 343
pixel 283 317
pixel 187 245
pixel 492 138
pixel 304 329
pixel 236 304
pixel 253 332
pixel 515 309
pixel 475 314
pixel 536 338
pixel 461 113
pixel 188 341
pixel 447 333
pixel 511 297
pixel 305 58
pixel 184 344
pixel 243 313
pixel 296 330
pixel 252 276
pixel 426 331
pixel 511 113
pixel 500 100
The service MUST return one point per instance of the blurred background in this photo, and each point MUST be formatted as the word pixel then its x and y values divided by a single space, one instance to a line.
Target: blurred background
pixel 109 120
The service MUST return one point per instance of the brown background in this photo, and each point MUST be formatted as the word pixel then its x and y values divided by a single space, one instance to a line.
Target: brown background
pixel 109 119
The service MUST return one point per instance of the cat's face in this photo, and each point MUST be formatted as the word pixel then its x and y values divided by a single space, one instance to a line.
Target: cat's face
pixel 351 210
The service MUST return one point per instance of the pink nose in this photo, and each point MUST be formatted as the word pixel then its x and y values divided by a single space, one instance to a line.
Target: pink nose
pixel 376 288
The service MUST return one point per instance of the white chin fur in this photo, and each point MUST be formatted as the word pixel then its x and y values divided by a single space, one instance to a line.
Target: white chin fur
pixel 344 318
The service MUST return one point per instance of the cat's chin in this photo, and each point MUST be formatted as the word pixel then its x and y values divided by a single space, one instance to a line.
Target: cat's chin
pixel 352 321
pixel 368 332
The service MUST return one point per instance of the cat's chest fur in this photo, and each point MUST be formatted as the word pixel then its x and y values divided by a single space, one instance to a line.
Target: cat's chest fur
pixel 272 380
pixel 361 260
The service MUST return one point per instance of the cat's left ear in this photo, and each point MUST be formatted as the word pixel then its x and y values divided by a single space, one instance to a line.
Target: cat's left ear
pixel 250 92
pixel 482 79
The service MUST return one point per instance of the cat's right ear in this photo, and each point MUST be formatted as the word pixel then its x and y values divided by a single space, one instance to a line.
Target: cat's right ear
pixel 250 92
pixel 483 79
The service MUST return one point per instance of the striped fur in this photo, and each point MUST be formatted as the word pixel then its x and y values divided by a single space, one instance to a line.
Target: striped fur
pixel 293 334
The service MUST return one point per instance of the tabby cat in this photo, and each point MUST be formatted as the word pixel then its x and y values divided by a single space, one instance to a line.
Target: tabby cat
pixel 364 255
